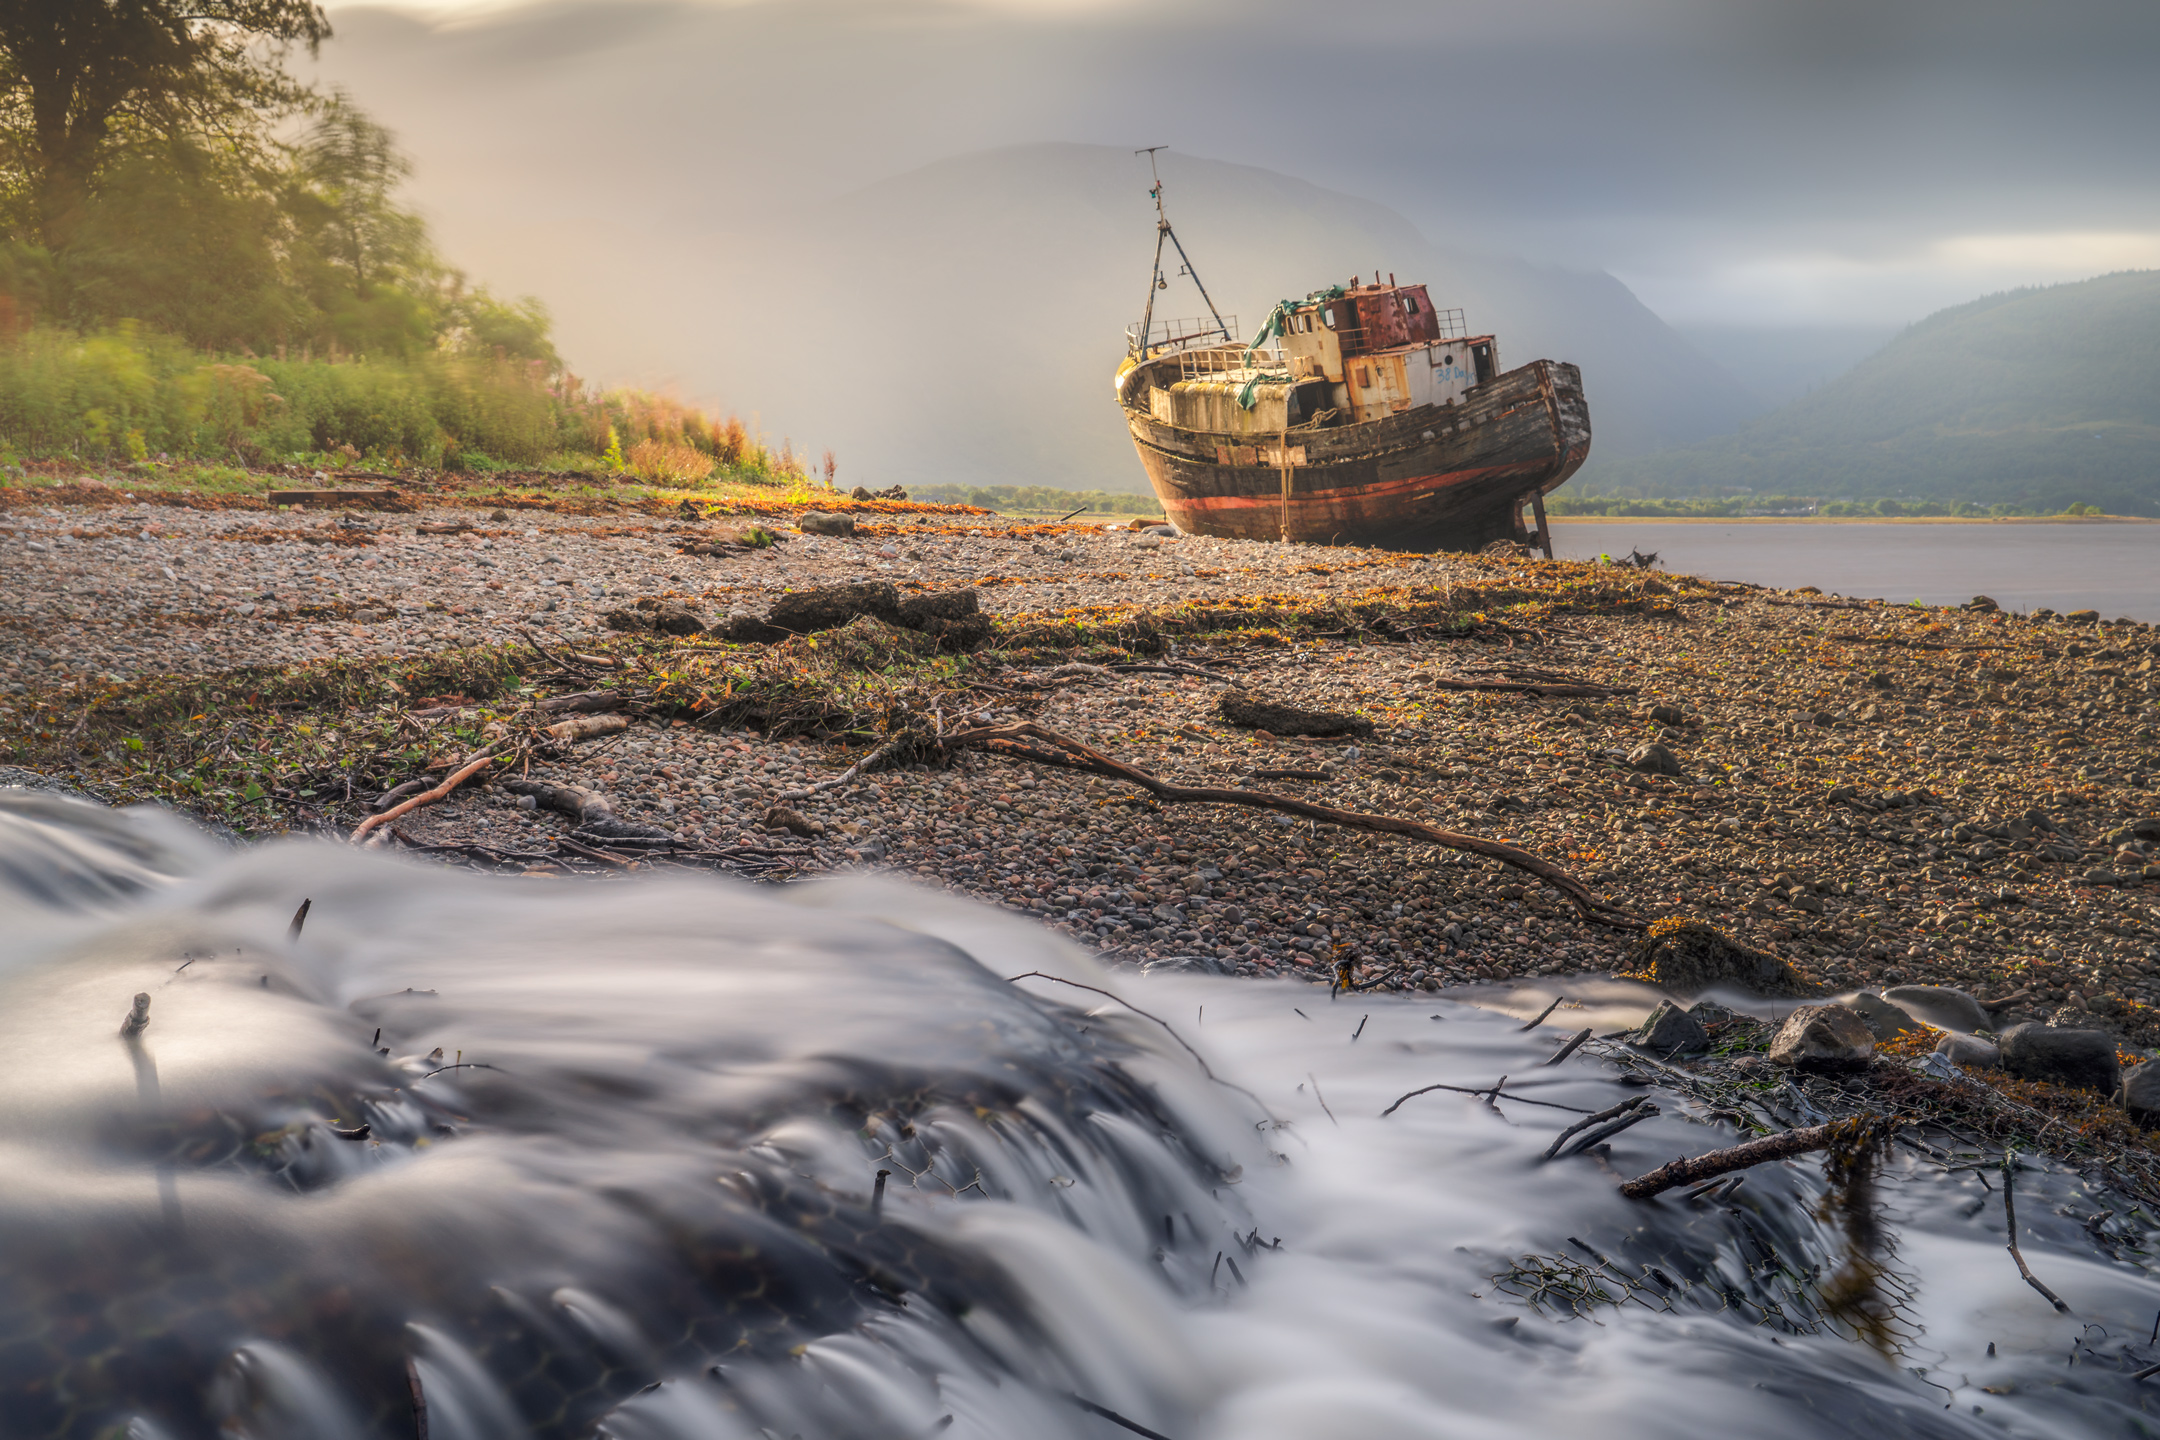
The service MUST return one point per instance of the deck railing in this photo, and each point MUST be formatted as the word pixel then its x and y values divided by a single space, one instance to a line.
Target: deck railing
pixel 1182 333
pixel 1228 362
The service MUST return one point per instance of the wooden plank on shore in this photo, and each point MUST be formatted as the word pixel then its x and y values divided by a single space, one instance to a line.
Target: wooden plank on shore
pixel 364 499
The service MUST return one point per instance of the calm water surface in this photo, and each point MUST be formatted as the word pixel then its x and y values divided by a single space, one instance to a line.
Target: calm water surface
pixel 2114 569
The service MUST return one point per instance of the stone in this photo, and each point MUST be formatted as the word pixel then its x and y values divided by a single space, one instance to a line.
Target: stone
pixel 829 607
pixel 1654 759
pixel 1687 957
pixel 1671 1030
pixel 2141 1093
pixel 1883 1018
pixel 917 610
pixel 793 821
pixel 2083 617
pixel 1941 1005
pixel 1823 1037
pixel 1981 604
pixel 818 522
pixel 2081 1059
pixel 1240 708
pixel 669 618
pixel 1665 714
pixel 1970 1050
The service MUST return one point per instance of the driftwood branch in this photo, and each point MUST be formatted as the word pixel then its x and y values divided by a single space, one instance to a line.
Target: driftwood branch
pixel 1689 1171
pixel 470 768
pixel 1064 752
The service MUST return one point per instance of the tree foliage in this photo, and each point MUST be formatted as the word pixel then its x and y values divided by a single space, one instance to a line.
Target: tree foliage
pixel 158 164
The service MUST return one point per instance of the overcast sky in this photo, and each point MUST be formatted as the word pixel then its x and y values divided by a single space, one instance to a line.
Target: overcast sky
pixel 1742 162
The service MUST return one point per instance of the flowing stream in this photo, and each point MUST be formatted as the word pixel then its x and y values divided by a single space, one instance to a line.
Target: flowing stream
pixel 619 1176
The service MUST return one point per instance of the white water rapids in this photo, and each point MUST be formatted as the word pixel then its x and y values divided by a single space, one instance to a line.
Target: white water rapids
pixel 640 1201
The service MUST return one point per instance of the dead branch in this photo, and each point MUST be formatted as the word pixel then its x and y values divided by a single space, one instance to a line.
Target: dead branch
pixel 1609 1123
pixel 870 761
pixel 1733 1157
pixel 584 702
pixel 479 761
pixel 1070 754
pixel 587 727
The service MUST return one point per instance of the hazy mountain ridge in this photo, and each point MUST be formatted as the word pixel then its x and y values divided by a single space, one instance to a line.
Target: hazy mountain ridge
pixel 998 286
pixel 2039 396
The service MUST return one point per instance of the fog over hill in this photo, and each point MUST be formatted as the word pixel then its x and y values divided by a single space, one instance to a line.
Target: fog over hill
pixel 962 322
pixel 2037 397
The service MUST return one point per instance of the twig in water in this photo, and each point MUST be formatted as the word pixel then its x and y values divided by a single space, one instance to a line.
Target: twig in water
pixel 1610 1129
pixel 1598 1119
pixel 299 918
pixel 2009 1179
pixel 419 1399
pixel 1235 1273
pixel 1360 1026
pixel 1116 1419
pixel 1558 1001
pixel 877 1197
pixel 1492 1096
pixel 1198 1059
pixel 1480 1090
pixel 138 1017
pixel 1321 1098
pixel 461 1065
pixel 1568 1049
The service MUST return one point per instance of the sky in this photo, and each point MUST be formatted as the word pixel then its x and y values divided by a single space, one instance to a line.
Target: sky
pixel 1753 164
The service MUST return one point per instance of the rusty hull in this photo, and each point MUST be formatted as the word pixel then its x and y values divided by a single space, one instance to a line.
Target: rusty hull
pixel 1433 478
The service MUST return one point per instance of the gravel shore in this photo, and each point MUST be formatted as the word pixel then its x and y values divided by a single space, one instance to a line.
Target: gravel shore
pixel 1880 794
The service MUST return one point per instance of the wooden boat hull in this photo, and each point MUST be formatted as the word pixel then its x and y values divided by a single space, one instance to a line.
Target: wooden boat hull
pixel 1433 478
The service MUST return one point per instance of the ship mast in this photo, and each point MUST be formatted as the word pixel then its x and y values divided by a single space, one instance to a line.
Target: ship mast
pixel 1156 282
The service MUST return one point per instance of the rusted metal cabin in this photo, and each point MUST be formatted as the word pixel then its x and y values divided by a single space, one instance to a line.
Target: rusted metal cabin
pixel 1362 414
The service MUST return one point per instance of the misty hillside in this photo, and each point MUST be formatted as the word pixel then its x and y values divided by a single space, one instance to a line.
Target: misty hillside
pixel 2034 397
pixel 961 322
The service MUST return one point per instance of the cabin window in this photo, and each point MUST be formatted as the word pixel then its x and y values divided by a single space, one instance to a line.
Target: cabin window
pixel 1327 318
pixel 1410 303
pixel 1363 380
pixel 1447 359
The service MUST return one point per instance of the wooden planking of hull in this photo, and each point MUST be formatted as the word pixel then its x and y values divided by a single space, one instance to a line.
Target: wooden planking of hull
pixel 1434 477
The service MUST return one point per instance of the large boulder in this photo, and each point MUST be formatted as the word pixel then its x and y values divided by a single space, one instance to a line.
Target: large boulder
pixel 1823 1037
pixel 1671 1030
pixel 918 610
pixel 1969 1050
pixel 953 617
pixel 804 612
pixel 1883 1019
pixel 819 522
pixel 1941 1005
pixel 1688 957
pixel 2081 1059
pixel 1654 759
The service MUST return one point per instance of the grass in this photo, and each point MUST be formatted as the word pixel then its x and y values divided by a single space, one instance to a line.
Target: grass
pixel 126 397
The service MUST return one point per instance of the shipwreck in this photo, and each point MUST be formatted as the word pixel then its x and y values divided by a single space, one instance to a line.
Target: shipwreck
pixel 1362 414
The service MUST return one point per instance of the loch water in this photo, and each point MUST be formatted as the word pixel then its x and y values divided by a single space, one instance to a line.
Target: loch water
pixel 619 1176
pixel 2114 569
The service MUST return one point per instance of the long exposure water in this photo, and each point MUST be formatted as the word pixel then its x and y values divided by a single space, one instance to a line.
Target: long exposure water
pixel 479 1157
pixel 2114 569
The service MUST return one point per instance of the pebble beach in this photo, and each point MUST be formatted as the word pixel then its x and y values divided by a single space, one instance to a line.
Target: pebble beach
pixel 1879 794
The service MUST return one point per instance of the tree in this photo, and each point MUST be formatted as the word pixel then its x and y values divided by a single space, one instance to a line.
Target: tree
pixel 84 81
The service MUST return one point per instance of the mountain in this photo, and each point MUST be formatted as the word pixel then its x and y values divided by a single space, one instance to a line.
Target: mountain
pixel 2036 397
pixel 961 322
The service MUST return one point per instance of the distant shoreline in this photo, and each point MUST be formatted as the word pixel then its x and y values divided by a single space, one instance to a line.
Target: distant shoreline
pixel 1852 520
